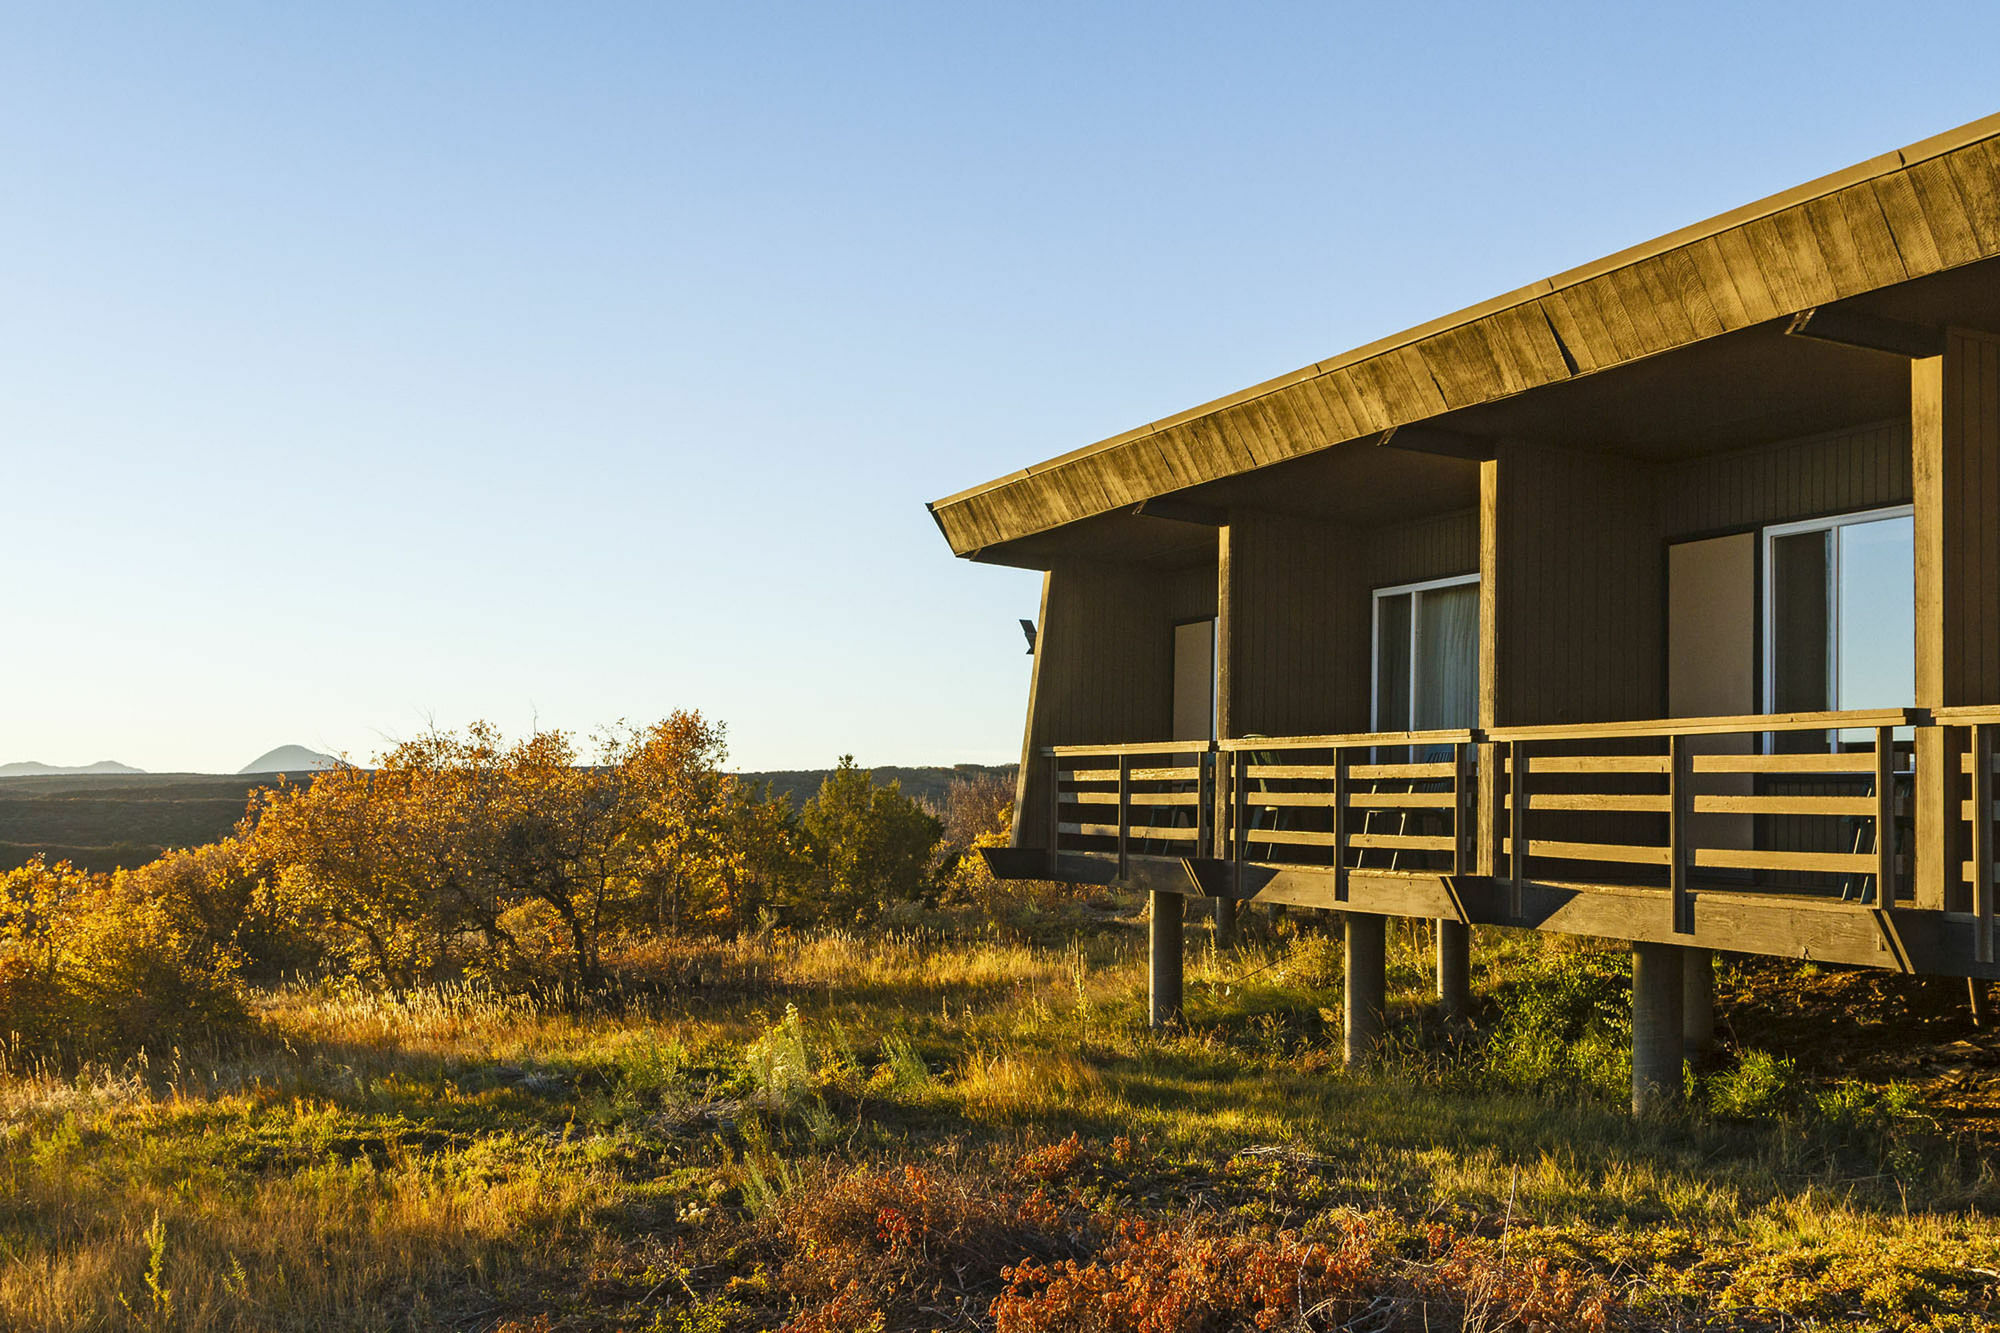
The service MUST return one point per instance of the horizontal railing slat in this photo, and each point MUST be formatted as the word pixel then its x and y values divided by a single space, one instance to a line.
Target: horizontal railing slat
pixel 1599 801
pixel 1592 763
pixel 1709 726
pixel 1863 762
pixel 1411 842
pixel 1594 851
pixel 1838 863
pixel 1399 800
pixel 1785 805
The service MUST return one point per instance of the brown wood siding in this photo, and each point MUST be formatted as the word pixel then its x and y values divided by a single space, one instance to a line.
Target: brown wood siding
pixel 1103 671
pixel 1296 630
pixel 1434 547
pixel 1956 418
pixel 1191 593
pixel 1578 600
pixel 1867 467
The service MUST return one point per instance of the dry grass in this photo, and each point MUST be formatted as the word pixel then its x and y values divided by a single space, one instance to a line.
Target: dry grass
pixel 457 1158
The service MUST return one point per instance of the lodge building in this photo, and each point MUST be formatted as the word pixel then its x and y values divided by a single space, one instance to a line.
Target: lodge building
pixel 1657 601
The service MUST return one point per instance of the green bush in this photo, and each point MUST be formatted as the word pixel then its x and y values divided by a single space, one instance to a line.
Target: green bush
pixel 1566 1023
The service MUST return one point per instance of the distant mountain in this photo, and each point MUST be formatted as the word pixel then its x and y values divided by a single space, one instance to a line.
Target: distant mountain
pixel 291 759
pixel 30 769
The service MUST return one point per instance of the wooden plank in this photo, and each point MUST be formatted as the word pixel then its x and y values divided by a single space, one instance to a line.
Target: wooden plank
pixel 1595 851
pixel 1398 772
pixel 1751 723
pixel 1136 798
pixel 1465 827
pixel 1124 813
pixel 1354 740
pixel 1132 748
pixel 1884 815
pixel 1296 837
pixel 1396 800
pixel 1786 805
pixel 1833 863
pixel 1151 832
pixel 1863 762
pixel 1681 802
pixel 1981 754
pixel 1601 801
pixel 1405 841
pixel 1601 763
pixel 1277 799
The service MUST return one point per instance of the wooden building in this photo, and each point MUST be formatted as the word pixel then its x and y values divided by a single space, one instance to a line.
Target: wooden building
pixel 1657 601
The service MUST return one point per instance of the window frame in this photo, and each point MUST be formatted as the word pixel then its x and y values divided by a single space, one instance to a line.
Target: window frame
pixel 1413 591
pixel 1767 578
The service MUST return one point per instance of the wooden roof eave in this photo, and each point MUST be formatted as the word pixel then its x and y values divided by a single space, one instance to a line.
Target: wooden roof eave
pixel 1903 215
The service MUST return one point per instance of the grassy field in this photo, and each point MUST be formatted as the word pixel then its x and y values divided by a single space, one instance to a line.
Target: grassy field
pixel 917 1131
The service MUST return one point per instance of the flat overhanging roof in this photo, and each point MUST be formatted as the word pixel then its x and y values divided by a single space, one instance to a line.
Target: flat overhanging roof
pixel 1886 223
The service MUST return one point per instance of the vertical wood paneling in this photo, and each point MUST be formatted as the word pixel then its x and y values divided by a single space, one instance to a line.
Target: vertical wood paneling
pixel 1296 632
pixel 1576 586
pixel 1103 669
pixel 1867 467
pixel 1433 547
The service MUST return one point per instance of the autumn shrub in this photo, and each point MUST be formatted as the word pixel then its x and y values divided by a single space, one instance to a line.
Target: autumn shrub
pixel 883 1244
pixel 1197 1278
pixel 106 965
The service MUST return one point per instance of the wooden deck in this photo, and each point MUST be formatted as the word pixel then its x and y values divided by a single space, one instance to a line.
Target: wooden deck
pixel 1777 834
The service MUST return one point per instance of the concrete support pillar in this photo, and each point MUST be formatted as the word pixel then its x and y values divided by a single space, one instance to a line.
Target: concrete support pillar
pixel 1454 970
pixel 1225 922
pixel 1657 972
pixel 1163 972
pixel 1698 1003
pixel 1367 977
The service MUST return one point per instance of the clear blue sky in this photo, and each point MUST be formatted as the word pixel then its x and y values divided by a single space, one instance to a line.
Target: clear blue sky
pixel 366 366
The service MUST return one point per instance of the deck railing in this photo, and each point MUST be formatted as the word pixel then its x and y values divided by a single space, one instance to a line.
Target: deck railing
pixel 1131 800
pixel 1975 736
pixel 1393 802
pixel 1808 803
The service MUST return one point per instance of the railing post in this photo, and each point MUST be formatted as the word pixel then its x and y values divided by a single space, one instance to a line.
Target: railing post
pixel 1341 792
pixel 1055 816
pixel 1124 813
pixel 1680 831
pixel 1517 827
pixel 1885 817
pixel 1981 790
pixel 1239 817
pixel 1464 811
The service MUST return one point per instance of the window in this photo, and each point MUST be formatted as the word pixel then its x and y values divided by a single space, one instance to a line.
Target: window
pixel 1839 613
pixel 1427 655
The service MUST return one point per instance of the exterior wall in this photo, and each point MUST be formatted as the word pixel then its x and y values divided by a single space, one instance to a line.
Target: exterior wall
pixel 1572 589
pixel 1434 547
pixel 1103 671
pixel 1867 467
pixel 1294 630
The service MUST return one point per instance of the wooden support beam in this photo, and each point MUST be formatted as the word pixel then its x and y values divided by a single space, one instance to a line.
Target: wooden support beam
pixel 1164 956
pixel 1454 970
pixel 1982 841
pixel 1183 511
pixel 1656 1027
pixel 1852 328
pixel 1443 443
pixel 1367 986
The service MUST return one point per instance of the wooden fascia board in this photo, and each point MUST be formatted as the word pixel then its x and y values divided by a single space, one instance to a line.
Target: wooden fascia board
pixel 1902 215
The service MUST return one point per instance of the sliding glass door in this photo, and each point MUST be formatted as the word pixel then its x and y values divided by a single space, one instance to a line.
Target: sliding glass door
pixel 1427 655
pixel 1839 613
